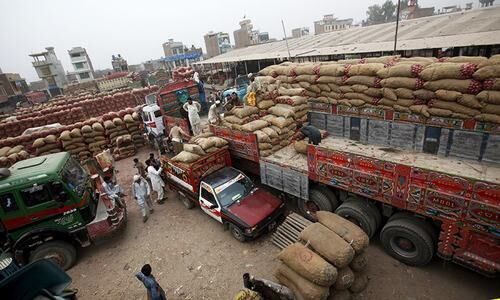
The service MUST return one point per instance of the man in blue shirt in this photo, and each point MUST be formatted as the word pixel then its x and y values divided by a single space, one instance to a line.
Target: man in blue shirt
pixel 155 292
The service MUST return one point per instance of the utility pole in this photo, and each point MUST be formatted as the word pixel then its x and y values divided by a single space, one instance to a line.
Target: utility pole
pixel 286 40
pixel 397 25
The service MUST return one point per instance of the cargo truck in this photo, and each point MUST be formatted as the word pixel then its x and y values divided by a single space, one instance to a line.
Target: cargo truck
pixel 50 206
pixel 415 181
pixel 225 194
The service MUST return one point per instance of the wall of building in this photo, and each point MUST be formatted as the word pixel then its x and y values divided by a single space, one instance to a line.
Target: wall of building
pixel 112 84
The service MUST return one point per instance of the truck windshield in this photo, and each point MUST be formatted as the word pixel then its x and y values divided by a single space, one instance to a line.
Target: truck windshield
pixel 74 176
pixel 234 190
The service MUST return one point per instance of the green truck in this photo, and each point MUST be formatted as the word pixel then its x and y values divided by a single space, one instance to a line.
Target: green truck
pixel 50 206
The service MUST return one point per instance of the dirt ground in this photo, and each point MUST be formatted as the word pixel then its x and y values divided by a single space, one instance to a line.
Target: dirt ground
pixel 193 257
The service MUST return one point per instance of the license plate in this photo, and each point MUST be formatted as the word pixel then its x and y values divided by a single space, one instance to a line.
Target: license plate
pixel 271 226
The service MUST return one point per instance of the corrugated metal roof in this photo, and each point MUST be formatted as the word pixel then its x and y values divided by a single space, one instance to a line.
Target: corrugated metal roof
pixel 468 28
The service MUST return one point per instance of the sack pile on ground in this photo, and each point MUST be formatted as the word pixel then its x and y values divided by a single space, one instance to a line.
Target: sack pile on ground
pixel 95 137
pixel 74 142
pixel 124 147
pixel 11 155
pixel 132 123
pixel 199 147
pixel 46 145
pixel 114 129
pixel 329 263
pixel 457 87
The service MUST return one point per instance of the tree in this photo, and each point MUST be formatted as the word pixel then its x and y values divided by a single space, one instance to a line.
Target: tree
pixel 486 3
pixel 377 14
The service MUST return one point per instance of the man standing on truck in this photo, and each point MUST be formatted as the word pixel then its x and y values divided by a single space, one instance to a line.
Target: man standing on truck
pixel 213 113
pixel 142 194
pixel 312 133
pixel 176 134
pixel 156 181
pixel 193 110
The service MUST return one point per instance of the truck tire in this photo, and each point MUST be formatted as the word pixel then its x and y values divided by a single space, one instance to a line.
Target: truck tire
pixel 332 197
pixel 186 202
pixel 433 233
pixel 374 211
pixel 407 240
pixel 237 233
pixel 360 213
pixel 318 200
pixel 62 253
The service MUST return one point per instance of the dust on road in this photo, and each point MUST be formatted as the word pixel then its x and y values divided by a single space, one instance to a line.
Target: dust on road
pixel 193 257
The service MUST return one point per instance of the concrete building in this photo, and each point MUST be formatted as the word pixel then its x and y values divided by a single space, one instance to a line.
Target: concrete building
pixel 49 68
pixel 301 31
pixel 11 84
pixel 39 85
pixel 178 55
pixel 114 81
pixel 243 36
pixel 173 48
pixel 329 23
pixel 82 65
pixel 217 43
pixel 119 63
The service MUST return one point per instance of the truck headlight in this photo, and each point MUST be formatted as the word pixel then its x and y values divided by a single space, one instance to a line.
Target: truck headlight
pixel 250 230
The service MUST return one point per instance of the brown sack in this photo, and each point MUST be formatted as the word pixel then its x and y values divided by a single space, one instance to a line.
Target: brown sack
pixel 300 147
pixel 351 233
pixel 492 84
pixel 470 101
pixel 424 94
pixel 270 132
pixel 193 148
pixel 308 264
pixel 420 109
pixel 328 244
pixel 374 92
pixel 370 81
pixel 360 282
pixel 360 96
pixel 254 125
pixel 492 71
pixel 265 104
pixel 359 262
pixel 438 71
pixel 467 86
pixel 331 70
pixel 291 92
pixel 401 70
pixel 466 59
pixel 404 93
pixel 345 278
pixel 491 109
pixel 402 82
pixel 446 95
pixel 492 97
pixel 369 69
pixel 186 157
pixel 301 287
pixel 243 112
pixel 488 118
pixel 454 107
pixel 439 112
pixel 389 94
pixel 281 112
pixel 330 80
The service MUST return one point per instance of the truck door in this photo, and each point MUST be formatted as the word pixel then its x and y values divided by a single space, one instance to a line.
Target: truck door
pixel 208 202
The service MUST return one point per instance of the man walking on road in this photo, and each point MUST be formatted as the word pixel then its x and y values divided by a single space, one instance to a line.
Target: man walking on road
pixel 142 194
pixel 141 169
pixel 156 181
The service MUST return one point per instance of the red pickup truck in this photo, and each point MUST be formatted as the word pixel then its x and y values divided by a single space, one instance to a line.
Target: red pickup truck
pixel 226 194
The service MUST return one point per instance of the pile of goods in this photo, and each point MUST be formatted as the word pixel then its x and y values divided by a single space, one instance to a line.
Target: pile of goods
pixel 74 142
pixel 240 116
pixel 456 87
pixel 124 147
pixel 198 147
pixel 95 137
pixel 133 123
pixel 47 145
pixel 9 156
pixel 114 129
pixel 322 259
pixel 182 73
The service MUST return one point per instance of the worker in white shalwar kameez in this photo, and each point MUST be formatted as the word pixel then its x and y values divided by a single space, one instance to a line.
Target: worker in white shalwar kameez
pixel 156 181
pixel 193 109
pixel 141 192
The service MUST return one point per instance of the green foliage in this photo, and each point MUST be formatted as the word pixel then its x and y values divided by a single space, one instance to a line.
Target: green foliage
pixel 377 14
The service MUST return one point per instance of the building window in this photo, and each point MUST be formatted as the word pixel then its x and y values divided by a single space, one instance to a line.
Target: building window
pixel 85 75
pixel 79 65
pixel 76 54
pixel 2 91
pixel 35 195
pixel 8 203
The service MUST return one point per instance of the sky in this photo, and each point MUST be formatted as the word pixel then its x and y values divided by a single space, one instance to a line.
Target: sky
pixel 137 29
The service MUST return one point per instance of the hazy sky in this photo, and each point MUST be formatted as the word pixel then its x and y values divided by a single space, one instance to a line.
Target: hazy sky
pixel 137 29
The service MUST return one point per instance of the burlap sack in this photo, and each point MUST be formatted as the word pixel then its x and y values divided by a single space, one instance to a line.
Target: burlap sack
pixel 454 107
pixel 108 124
pixel 4 150
pixel 404 93
pixel 324 87
pixel 488 118
pixel 359 262
pixel 401 108
pixel 439 112
pixel 265 153
pixel 219 142
pixel 50 139
pixel 446 95
pixel 369 69
pixel 360 282
pixel 281 122
pixel 235 120
pixel 346 89
pixel 401 70
pixel 438 71
pixel 65 136
pixel 265 104
pixel 291 92
pixel 420 109
pixel 314 89
pixel 300 147
pixel 467 86
pixel 345 278
pixel 262 137
pixel 331 70
pixel 301 287
pixel 243 112
pixel 340 295
pixel 22 155
pixel 293 108
pixel 470 101
pixel 265 146
pixel 405 102
pixel 351 233
pixel 328 244
pixel 15 150
pixel 466 59
pixel 212 149
pixel 47 148
pixel 278 130
pixel 86 129
pixel 38 143
pixel 492 71
pixel 424 94
pixel 402 82
pixel 308 264
pixel 186 157
pixel 291 100
pixel 270 132
pixel 331 81
pixel 193 148
pixel 492 97
pixel 281 112
pixel 369 81
pixel 491 109
pixel 389 94
pixel 128 119
pixel 254 125
pixel 13 158
pixel 97 127
pixel 75 133
pixel 306 78
pixel 374 92
pixel 205 143
pixel 306 69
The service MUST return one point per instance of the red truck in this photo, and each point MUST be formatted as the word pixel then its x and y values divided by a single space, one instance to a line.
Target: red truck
pixel 432 187
pixel 226 194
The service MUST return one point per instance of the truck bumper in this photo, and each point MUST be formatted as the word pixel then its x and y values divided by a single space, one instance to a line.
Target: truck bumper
pixel 269 224
pixel 107 222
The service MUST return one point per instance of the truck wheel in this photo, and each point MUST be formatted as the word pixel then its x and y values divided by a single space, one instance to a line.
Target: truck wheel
pixel 433 233
pixel 61 253
pixel 407 240
pixel 331 196
pixel 237 233
pixel 360 213
pixel 186 202
pixel 318 200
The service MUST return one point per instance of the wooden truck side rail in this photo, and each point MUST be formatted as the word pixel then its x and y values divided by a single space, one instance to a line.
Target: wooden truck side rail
pixel 241 144
pixel 468 208
pixel 188 176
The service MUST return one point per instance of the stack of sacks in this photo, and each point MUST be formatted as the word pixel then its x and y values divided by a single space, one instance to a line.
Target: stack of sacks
pixel 282 121
pixel 11 155
pixel 200 146
pixel 74 142
pixel 331 263
pixel 297 104
pixel 46 145
pixel 133 126
pixel 114 129
pixel 267 93
pixel 489 73
pixel 263 140
pixel 95 138
pixel 124 147
pixel 239 116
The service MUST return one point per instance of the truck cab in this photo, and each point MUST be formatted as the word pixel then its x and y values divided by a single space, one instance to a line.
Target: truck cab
pixel 240 87
pixel 49 206
pixel 153 119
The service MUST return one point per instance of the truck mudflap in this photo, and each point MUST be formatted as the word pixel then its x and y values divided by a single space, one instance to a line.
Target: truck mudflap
pixel 109 219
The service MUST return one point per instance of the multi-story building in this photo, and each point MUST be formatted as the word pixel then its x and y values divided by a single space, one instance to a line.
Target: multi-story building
pixel 11 84
pixel 178 55
pixel 217 43
pixel 329 23
pixel 119 63
pixel 49 68
pixel 82 65
pixel 301 31
pixel 243 36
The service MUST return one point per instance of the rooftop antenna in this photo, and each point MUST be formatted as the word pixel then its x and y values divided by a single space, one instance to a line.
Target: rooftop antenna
pixel 286 40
